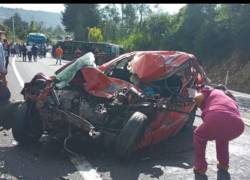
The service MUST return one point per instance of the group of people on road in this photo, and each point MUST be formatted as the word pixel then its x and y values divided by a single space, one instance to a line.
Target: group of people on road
pixel 23 51
pixel 15 49
pixel 33 51
pixel 30 51
pixel 8 50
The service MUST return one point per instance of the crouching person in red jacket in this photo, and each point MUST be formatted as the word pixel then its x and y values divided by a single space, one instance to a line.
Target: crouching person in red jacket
pixel 221 122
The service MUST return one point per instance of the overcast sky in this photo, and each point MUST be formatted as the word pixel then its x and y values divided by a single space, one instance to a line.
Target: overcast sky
pixel 170 8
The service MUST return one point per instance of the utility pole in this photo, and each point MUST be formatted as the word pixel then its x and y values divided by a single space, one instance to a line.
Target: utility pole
pixel 13 28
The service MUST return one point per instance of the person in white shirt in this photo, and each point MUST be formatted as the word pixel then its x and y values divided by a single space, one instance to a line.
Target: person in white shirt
pixel 29 52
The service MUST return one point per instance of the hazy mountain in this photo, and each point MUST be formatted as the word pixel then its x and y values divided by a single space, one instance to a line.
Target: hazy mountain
pixel 49 18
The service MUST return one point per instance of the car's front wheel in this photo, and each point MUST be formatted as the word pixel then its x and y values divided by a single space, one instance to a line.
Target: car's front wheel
pixel 27 127
pixel 131 134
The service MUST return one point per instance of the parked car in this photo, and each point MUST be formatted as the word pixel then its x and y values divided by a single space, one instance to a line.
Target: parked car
pixel 136 100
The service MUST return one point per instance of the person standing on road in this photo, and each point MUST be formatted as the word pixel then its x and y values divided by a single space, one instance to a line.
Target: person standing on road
pixel 29 53
pixel 16 47
pixel 3 71
pixel 53 51
pixel 44 50
pixel 12 49
pixel 34 50
pixel 221 122
pixel 6 47
pixel 59 54
pixel 24 52
pixel 19 50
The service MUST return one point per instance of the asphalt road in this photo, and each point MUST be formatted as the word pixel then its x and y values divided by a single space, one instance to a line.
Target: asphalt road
pixel 170 160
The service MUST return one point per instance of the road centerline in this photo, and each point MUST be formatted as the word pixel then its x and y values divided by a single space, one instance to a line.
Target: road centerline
pixel 18 76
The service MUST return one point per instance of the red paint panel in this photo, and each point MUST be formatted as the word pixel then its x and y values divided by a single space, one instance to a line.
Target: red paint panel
pixel 98 84
pixel 164 126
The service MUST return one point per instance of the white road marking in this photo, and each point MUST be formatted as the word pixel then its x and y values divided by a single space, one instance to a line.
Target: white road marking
pixel 82 165
pixel 19 78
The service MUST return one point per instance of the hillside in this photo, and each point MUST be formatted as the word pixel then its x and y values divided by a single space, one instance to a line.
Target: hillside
pixel 238 66
pixel 49 18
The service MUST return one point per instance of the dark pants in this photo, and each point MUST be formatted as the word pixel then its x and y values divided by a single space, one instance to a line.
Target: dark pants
pixel 34 57
pixel 24 56
pixel 6 62
pixel 30 56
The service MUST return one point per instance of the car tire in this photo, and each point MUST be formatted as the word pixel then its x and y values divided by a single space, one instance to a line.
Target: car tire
pixel 131 134
pixel 189 124
pixel 27 127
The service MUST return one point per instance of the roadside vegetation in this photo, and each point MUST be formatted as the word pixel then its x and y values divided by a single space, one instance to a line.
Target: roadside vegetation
pixel 217 34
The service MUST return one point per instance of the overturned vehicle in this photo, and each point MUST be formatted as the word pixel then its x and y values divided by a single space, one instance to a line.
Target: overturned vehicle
pixel 136 100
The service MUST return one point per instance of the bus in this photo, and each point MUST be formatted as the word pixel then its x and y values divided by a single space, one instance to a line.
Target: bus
pixel 36 38
pixel 103 51
pixel 39 40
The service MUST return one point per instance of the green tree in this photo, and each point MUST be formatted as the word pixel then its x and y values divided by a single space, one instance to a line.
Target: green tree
pixel 215 39
pixel 143 10
pixel 19 25
pixel 157 28
pixel 95 34
pixel 240 24
pixel 33 26
pixel 77 18
pixel 193 18
pixel 136 41
pixel 58 30
pixel 41 27
pixel 111 22
pixel 2 27
pixel 129 19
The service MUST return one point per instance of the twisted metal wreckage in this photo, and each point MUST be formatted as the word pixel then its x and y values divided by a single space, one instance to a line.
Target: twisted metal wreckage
pixel 133 101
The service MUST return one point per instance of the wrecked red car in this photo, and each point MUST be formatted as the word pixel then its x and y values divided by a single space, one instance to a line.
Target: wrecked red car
pixel 136 100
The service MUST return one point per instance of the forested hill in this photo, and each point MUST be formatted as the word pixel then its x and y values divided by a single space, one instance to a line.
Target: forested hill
pixel 238 68
pixel 48 18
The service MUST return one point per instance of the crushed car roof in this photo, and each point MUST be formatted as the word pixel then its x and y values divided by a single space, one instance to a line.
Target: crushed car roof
pixel 153 65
